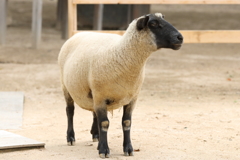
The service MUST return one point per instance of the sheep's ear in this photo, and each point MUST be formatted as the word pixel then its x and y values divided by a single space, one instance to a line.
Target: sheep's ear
pixel 142 23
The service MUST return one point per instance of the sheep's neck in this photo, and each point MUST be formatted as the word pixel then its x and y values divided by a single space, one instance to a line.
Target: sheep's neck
pixel 133 56
pixel 129 59
pixel 133 52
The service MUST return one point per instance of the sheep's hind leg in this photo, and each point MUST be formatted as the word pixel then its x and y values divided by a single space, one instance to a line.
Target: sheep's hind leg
pixel 94 130
pixel 103 124
pixel 70 113
pixel 126 126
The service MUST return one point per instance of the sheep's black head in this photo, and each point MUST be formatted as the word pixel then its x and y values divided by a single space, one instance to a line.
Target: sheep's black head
pixel 166 36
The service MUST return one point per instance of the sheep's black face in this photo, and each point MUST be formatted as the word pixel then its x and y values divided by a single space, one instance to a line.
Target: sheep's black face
pixel 166 36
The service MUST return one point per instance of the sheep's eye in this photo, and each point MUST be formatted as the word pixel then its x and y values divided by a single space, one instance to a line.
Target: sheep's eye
pixel 163 16
pixel 154 24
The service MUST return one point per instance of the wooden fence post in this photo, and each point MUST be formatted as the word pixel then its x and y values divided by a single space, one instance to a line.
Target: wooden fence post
pixel 72 18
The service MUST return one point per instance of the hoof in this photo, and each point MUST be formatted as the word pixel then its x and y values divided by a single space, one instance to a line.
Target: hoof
pixel 95 139
pixel 102 155
pixel 128 149
pixel 103 150
pixel 128 154
pixel 71 143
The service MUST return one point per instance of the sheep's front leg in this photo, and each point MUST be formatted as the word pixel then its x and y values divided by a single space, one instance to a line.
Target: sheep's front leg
pixel 126 126
pixel 94 130
pixel 103 124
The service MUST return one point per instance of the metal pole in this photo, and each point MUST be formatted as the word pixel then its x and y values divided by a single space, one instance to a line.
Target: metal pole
pixel 64 19
pixel 129 14
pixel 98 17
pixel 3 14
pixel 36 23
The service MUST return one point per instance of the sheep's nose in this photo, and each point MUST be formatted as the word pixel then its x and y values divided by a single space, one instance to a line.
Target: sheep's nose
pixel 180 38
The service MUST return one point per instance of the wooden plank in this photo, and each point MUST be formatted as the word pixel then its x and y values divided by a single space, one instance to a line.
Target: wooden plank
pixel 72 17
pixel 11 110
pixel 3 25
pixel 36 23
pixel 212 36
pixel 98 16
pixel 199 36
pixel 156 1
pixel 10 140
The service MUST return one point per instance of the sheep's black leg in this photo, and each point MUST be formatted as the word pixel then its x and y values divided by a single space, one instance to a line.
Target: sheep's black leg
pixel 126 126
pixel 94 130
pixel 70 113
pixel 103 124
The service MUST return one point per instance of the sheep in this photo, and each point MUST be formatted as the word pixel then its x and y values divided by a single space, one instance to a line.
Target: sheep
pixel 102 72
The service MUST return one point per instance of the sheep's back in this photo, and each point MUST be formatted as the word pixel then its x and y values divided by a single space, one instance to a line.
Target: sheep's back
pixel 86 43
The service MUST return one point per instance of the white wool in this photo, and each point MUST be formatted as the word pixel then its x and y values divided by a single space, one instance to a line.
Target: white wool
pixel 107 65
pixel 158 14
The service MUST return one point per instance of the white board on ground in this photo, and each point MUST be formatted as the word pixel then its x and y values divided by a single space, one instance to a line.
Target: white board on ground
pixel 10 140
pixel 11 110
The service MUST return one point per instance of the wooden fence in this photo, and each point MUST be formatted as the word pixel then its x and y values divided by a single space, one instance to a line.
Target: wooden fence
pixel 190 36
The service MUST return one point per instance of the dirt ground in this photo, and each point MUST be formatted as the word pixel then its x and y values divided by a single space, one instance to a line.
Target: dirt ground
pixel 189 106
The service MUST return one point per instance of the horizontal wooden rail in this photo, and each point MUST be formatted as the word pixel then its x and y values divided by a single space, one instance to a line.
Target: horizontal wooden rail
pixel 156 1
pixel 196 36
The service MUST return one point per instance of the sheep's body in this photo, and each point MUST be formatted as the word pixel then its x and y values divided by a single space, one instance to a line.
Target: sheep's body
pixel 109 66
pixel 102 72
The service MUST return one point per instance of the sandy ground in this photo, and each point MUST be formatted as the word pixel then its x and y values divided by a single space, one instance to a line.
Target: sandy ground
pixel 189 106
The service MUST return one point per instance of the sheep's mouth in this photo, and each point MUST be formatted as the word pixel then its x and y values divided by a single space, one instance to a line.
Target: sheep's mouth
pixel 176 46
